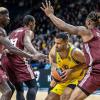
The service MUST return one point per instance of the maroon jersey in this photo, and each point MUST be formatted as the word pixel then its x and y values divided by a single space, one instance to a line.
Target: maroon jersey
pixel 17 38
pixel 91 81
pixel 17 67
pixel 92 48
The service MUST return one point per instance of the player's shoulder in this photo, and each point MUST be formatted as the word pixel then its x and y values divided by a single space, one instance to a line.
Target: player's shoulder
pixel 28 31
pixel 3 32
pixel 83 30
pixel 76 51
pixel 53 50
pixel 82 27
pixel 20 29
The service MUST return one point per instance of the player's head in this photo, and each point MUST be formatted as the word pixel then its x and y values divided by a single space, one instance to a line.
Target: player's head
pixel 92 19
pixel 61 41
pixel 29 21
pixel 4 16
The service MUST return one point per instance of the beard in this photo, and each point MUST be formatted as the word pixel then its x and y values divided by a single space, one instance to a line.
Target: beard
pixel 59 49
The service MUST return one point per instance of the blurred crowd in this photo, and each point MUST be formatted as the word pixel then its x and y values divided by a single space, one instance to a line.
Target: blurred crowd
pixel 71 11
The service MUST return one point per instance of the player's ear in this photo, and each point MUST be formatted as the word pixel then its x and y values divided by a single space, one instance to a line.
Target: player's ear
pixel 30 23
pixel 89 22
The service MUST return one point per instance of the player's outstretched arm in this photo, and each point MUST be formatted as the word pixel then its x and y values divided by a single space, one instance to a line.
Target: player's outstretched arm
pixel 6 42
pixel 30 48
pixel 49 11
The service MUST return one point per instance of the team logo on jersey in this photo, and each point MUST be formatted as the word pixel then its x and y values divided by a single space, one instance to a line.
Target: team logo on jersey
pixel 65 66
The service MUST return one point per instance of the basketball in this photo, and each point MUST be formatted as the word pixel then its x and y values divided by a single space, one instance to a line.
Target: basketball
pixel 56 74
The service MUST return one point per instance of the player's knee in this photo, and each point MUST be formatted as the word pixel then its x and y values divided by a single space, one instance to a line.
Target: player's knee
pixel 75 98
pixel 52 96
pixel 66 96
pixel 48 98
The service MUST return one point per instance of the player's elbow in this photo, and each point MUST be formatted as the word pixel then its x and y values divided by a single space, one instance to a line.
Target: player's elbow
pixel 12 49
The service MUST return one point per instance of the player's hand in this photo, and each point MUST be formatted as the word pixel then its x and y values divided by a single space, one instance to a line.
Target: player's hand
pixel 5 51
pixel 65 74
pixel 53 83
pixel 40 56
pixel 47 8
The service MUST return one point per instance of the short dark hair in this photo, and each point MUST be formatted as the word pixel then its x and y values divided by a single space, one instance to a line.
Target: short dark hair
pixel 63 36
pixel 27 19
pixel 3 10
pixel 93 16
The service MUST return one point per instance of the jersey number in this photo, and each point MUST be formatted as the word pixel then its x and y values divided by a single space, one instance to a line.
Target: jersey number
pixel 14 41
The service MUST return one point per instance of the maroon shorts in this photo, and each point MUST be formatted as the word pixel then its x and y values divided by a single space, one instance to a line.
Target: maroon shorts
pixel 91 81
pixel 17 72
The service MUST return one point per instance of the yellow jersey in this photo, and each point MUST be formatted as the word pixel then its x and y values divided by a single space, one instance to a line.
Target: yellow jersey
pixel 69 63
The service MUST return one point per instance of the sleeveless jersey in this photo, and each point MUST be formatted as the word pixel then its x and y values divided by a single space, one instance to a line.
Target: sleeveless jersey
pixel 17 39
pixel 17 67
pixel 69 63
pixel 92 48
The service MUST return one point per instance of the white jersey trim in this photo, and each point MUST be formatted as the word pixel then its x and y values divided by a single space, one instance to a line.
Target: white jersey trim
pixel 87 48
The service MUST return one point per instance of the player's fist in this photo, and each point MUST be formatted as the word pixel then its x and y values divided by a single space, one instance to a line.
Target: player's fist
pixel 65 74
pixel 47 8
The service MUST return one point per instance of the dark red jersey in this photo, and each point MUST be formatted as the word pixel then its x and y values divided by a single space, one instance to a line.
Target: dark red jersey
pixel 17 67
pixel 92 48
pixel 17 39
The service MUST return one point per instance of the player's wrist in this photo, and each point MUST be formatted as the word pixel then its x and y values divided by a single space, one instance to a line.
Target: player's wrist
pixel 30 56
pixel 50 15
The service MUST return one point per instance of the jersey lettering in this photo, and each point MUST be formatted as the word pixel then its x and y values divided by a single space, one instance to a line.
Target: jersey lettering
pixel 14 41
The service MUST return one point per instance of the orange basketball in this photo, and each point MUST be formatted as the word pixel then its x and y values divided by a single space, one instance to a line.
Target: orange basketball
pixel 56 74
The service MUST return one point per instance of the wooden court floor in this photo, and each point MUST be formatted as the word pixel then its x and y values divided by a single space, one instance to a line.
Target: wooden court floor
pixel 42 94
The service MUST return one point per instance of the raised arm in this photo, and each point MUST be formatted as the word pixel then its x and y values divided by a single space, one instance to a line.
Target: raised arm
pixel 49 11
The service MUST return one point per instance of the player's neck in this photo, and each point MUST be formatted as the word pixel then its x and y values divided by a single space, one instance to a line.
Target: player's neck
pixel 64 53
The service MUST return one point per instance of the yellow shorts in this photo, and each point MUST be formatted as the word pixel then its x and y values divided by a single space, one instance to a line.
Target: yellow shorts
pixel 59 88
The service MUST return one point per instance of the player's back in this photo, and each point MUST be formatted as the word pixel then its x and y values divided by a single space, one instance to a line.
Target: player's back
pixel 17 38
pixel 92 48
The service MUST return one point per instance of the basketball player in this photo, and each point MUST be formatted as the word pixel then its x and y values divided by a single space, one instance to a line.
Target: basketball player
pixel 90 35
pixel 5 85
pixel 65 56
pixel 18 69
